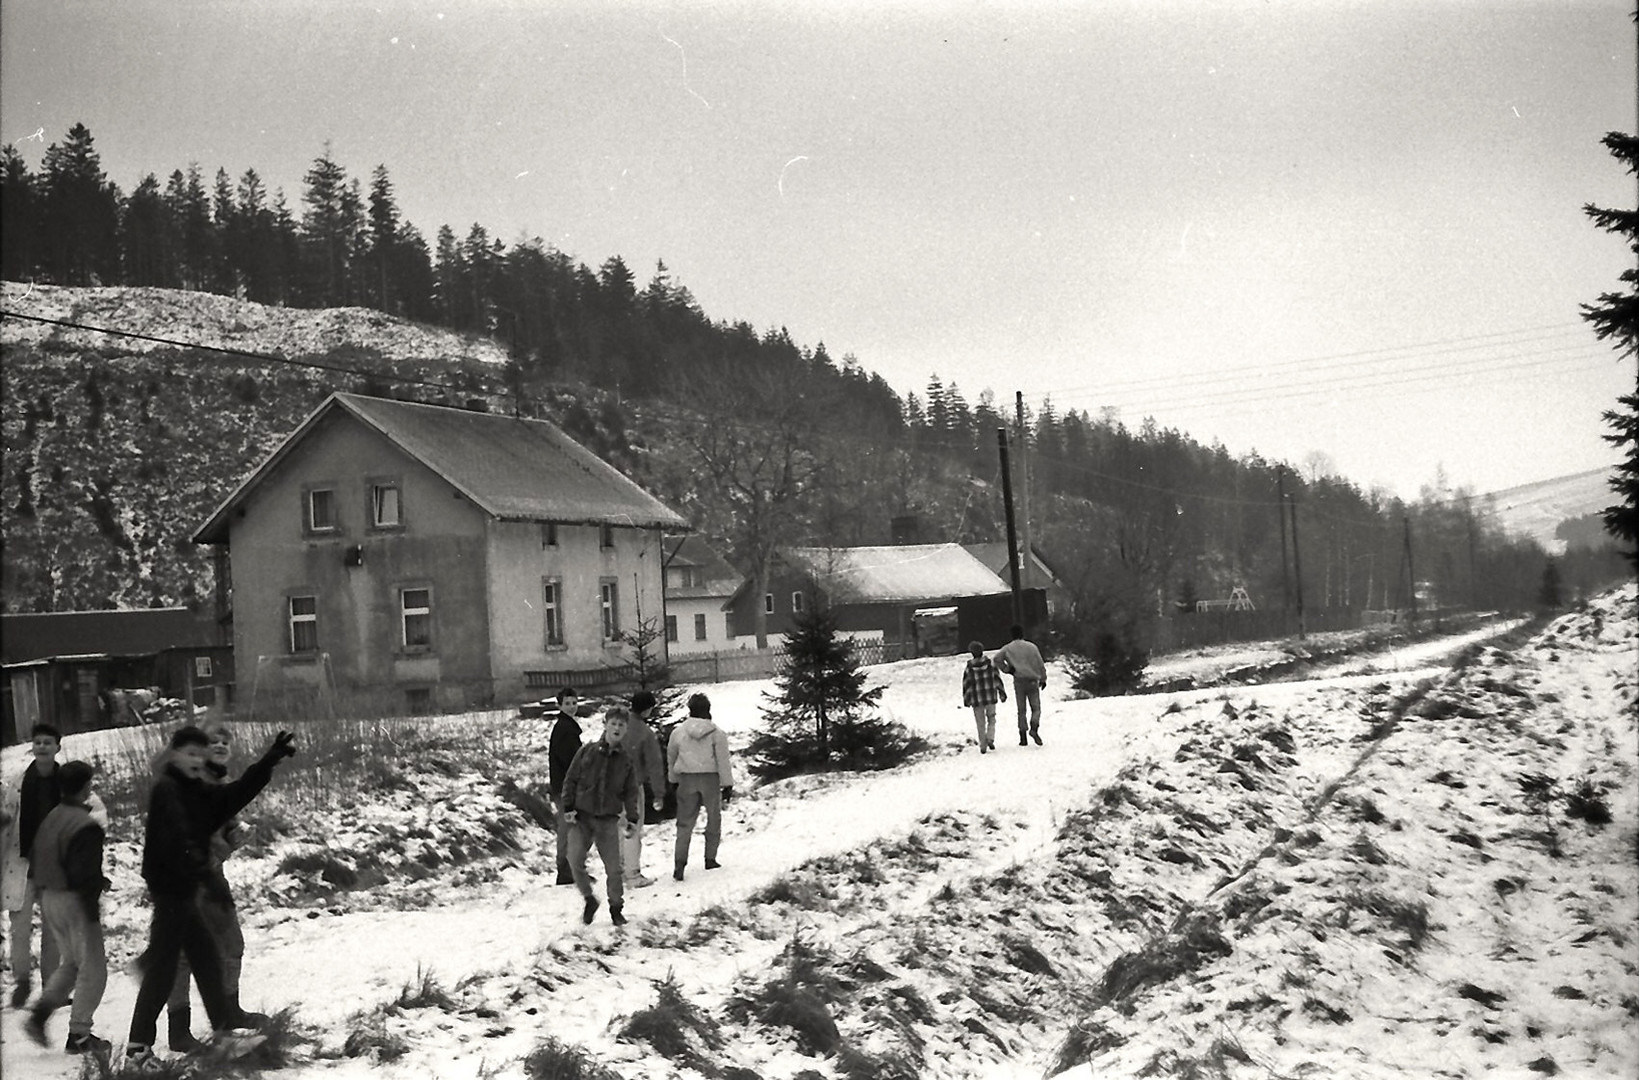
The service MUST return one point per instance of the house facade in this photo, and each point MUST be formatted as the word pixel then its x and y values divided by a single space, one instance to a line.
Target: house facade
pixel 422 557
pixel 1034 574
pixel 699 585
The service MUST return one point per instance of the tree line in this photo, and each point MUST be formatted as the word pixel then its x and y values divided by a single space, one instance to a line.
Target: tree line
pixel 762 441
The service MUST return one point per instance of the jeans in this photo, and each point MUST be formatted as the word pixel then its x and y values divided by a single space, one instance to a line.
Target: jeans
pixel 22 938
pixel 604 833
pixel 1027 692
pixel 984 718
pixel 694 791
pixel 178 929
pixel 82 969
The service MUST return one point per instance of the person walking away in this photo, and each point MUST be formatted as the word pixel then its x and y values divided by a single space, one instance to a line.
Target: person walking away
pixel 600 787
pixel 183 812
pixel 697 761
pixel 642 748
pixel 32 794
pixel 67 862
pixel 216 906
pixel 562 747
pixel 1022 660
pixel 982 688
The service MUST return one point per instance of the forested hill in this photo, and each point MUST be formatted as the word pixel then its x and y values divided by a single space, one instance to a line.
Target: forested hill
pixel 118 445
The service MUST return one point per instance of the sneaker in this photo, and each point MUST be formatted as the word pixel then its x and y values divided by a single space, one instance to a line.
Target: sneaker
pixel 1036 736
pixel 87 1044
pixel 616 915
pixel 589 910
pixel 641 881
pixel 35 1025
pixel 712 864
pixel 19 996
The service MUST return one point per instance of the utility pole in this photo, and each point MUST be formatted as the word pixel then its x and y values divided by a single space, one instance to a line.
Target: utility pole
pixel 1012 533
pixel 1285 582
pixel 1411 567
pixel 1297 561
pixel 1026 573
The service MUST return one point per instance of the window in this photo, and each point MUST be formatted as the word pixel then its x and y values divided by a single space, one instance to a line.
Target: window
pixel 700 627
pixel 684 577
pixel 417 607
pixel 768 603
pixel 796 602
pixel 386 506
pixel 201 667
pixel 728 625
pixel 671 628
pixel 304 623
pixel 606 535
pixel 321 510
pixel 608 603
pixel 552 607
pixel 549 534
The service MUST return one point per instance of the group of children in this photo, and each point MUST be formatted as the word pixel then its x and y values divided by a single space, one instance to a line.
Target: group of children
pixel 597 791
pixel 54 831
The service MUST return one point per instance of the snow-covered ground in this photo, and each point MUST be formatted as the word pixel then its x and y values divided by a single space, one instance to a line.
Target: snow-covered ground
pixel 1341 876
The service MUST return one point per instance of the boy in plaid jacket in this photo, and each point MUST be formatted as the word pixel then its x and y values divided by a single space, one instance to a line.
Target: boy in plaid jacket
pixel 982 688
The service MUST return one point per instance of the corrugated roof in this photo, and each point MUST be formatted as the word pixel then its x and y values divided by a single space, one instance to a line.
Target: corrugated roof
pixel 905 572
pixel 143 632
pixel 511 468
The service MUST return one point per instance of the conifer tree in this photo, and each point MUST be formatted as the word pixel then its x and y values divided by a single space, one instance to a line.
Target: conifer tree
pixel 1616 317
pixel 822 716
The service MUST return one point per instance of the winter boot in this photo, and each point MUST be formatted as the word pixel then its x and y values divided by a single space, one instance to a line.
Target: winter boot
pixel 617 915
pixel 589 910
pixel 712 864
pixel 179 1028
pixel 35 1025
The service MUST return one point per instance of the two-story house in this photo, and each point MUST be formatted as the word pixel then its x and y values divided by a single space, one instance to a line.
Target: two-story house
pixel 429 557
pixel 699 583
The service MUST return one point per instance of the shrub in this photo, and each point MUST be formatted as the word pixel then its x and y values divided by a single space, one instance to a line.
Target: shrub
pixel 672 1025
pixel 424 992
pixel 553 1059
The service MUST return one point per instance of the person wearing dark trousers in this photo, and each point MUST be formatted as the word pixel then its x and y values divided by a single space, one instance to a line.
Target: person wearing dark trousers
pixel 599 788
pixel 183 812
pixel 697 762
pixel 1021 659
pixel 67 861
pixel 216 905
pixel 561 750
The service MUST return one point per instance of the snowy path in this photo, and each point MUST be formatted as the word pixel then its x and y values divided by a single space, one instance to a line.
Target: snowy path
pixel 331 966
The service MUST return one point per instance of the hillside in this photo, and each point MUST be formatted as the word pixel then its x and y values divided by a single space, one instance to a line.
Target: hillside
pixel 1536 510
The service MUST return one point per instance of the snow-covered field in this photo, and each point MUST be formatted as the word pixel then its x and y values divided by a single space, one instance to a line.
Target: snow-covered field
pixel 1344 876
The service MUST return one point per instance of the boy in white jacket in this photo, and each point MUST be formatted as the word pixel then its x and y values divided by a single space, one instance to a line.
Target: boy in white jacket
pixel 697 762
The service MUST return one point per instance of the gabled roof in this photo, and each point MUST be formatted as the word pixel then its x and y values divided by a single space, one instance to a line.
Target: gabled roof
pixel 903 572
pixel 720 579
pixel 512 469
pixel 143 632
pixel 994 555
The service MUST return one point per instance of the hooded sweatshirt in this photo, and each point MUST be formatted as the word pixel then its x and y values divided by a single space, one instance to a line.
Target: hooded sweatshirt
pixel 699 746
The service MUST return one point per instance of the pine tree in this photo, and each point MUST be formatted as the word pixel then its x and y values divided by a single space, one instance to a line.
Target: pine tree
pixel 20 222
pixel 1616 317
pixel 822 716
pixel 81 212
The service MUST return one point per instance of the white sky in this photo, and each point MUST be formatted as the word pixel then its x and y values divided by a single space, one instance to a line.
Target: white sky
pixel 1193 210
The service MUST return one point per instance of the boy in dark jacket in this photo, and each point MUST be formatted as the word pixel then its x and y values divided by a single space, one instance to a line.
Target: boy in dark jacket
pixel 183 812
pixel 67 862
pixel 600 786
pixel 560 751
